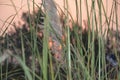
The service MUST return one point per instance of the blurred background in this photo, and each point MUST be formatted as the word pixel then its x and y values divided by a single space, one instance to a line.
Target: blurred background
pixel 11 11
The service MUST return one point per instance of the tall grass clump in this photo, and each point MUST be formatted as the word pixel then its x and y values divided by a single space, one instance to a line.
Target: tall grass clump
pixel 85 54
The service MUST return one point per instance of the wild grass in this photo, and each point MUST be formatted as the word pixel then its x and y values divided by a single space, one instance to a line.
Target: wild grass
pixel 26 56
